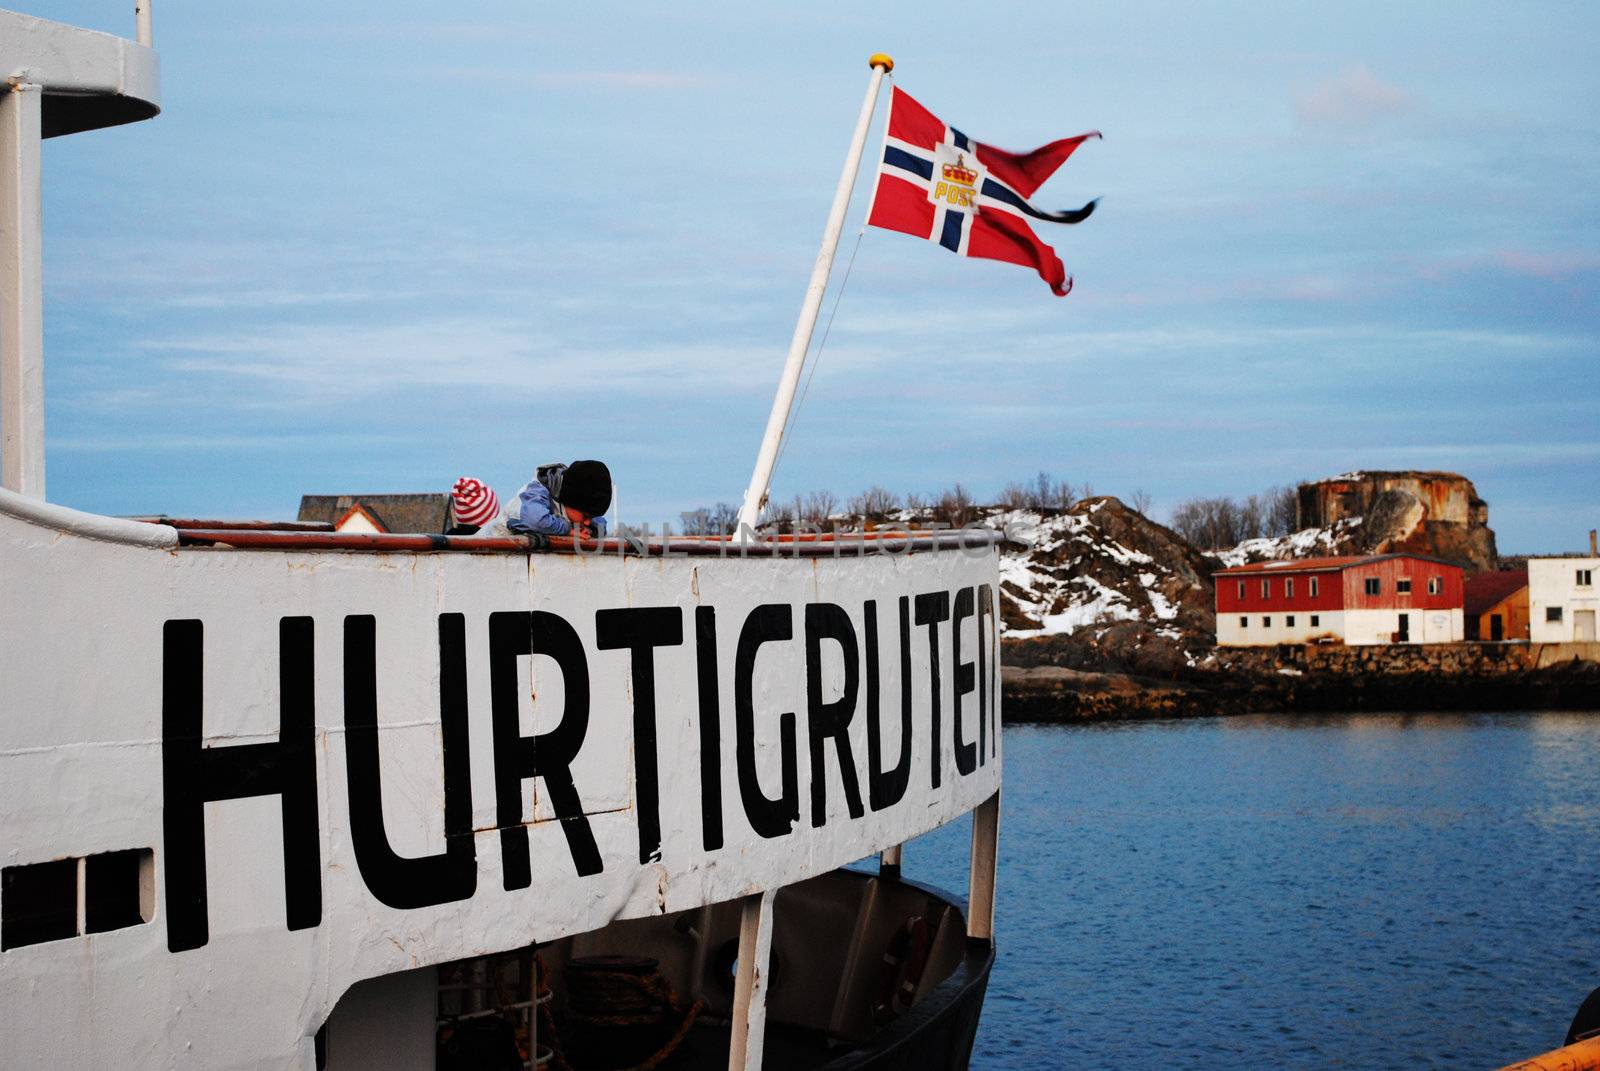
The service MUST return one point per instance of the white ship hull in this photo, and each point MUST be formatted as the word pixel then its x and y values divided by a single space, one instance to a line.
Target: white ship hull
pixel 350 682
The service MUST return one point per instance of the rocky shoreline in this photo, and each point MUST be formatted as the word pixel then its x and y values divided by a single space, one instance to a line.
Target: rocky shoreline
pixel 1332 679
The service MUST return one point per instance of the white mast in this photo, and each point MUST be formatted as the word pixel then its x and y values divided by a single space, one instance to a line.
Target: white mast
pixel 777 421
pixel 21 291
pixel 110 81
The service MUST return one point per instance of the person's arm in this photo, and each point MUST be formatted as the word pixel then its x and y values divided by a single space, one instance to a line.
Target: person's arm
pixel 536 514
pixel 600 527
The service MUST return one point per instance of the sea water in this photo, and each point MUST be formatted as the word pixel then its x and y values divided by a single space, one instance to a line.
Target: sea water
pixel 1361 891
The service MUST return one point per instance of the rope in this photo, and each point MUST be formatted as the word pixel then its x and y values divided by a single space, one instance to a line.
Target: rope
pixel 816 359
pixel 631 999
pixel 546 1034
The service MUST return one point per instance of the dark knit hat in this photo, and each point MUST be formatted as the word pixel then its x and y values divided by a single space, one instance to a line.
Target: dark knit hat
pixel 586 487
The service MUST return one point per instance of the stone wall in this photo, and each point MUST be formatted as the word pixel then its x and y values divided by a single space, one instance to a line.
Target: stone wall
pixel 1322 678
pixel 1472 659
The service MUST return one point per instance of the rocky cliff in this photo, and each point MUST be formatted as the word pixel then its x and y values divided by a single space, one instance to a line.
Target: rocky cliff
pixel 1101 586
pixel 1438 514
pixel 1100 589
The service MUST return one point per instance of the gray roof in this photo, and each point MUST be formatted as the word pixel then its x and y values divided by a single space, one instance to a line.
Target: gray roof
pixel 395 513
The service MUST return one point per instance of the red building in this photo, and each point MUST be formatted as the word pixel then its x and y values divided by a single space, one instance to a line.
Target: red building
pixel 1358 599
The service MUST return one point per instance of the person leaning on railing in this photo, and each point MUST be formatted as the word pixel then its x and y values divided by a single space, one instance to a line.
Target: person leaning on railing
pixel 560 500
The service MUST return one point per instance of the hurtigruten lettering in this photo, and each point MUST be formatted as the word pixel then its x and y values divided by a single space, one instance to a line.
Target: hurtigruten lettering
pixel 195 774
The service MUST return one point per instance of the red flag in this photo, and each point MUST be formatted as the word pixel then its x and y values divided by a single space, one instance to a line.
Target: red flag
pixel 934 182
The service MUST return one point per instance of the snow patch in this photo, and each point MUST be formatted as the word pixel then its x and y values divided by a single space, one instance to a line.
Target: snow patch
pixel 1306 543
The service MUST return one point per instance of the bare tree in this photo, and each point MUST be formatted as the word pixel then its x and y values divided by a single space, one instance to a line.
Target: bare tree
pixel 1281 510
pixel 1016 496
pixel 1208 523
pixel 1051 493
pixel 818 507
pixel 1045 490
pixel 1215 523
pixel 954 507
pixel 1041 493
pixel 874 502
pixel 695 521
pixel 710 520
pixel 1252 514
pixel 1141 500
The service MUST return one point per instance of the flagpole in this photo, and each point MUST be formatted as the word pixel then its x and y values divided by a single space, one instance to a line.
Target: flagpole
pixel 777 421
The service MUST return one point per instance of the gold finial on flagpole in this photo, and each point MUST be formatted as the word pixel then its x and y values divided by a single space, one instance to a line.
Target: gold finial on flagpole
pixel 881 59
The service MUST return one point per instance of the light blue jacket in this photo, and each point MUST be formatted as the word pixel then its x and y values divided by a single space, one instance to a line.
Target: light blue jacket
pixel 534 512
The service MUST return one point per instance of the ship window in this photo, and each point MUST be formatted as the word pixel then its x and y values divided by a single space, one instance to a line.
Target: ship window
pixel 118 890
pixel 1315 620
pixel 1244 622
pixel 1435 585
pixel 1552 613
pixel 39 902
pixel 1288 622
pixel 1266 589
pixel 1241 589
pixel 1288 589
pixel 1585 578
pixel 1403 587
pixel 1313 587
pixel 1373 585
pixel 1266 622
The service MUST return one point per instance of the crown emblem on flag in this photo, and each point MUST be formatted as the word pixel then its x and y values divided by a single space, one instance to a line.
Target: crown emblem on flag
pixel 960 172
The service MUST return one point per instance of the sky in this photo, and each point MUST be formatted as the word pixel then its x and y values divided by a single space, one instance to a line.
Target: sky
pixel 369 248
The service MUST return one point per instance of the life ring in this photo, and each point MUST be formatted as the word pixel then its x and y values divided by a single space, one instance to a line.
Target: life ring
pixel 904 960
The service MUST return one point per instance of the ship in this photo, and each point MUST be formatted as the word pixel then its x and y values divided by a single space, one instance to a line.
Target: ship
pixel 276 796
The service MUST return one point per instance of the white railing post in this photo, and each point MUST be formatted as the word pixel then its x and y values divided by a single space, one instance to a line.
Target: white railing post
pixel 985 859
pixel 750 983
pixel 21 292
pixel 141 14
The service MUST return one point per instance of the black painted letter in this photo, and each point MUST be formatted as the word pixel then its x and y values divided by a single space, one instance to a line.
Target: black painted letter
pixel 705 629
pixel 548 755
pixel 641 630
pixel 768 817
pixel 194 775
pixel 885 788
pixel 826 721
pixel 394 879
pixel 965 681
pixel 932 608
pixel 988 666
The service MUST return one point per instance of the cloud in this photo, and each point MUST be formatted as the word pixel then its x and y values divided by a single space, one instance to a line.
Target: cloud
pixel 1353 100
pixel 340 363
pixel 627 79
pixel 1554 267
pixel 277 299
pixel 624 80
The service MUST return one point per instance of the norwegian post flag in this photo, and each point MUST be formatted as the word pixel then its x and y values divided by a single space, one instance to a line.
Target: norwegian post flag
pixel 934 182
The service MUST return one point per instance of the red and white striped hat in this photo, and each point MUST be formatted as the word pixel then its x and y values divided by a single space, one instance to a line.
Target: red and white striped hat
pixel 473 502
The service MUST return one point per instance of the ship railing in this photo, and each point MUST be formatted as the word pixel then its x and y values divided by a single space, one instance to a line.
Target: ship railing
pixel 252 536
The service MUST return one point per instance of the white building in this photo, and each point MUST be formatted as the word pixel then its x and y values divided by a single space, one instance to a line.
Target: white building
pixel 1563 599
